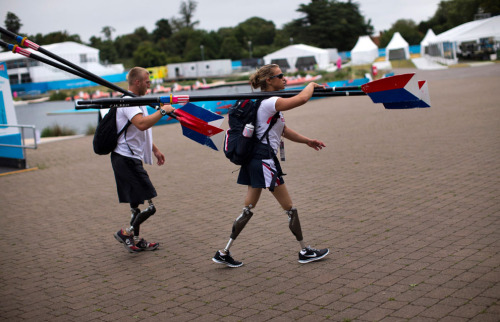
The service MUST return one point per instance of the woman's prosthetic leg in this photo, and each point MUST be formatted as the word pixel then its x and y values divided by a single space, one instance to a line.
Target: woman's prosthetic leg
pixel 239 224
pixel 294 225
pixel 139 217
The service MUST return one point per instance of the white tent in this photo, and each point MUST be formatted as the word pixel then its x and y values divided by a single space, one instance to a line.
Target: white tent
pixel 473 30
pixel 424 44
pixel 364 52
pixel 299 57
pixel 398 48
pixel 446 45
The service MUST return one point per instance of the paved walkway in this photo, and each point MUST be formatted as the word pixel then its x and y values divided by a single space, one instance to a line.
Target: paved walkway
pixel 407 200
pixel 427 64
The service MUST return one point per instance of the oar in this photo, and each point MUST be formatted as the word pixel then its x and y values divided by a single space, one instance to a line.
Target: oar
pixel 395 92
pixel 392 90
pixel 182 99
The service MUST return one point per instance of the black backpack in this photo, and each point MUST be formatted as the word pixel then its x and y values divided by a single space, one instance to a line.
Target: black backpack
pixel 106 136
pixel 238 148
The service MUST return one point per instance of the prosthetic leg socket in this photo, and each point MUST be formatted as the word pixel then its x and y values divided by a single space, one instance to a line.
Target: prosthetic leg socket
pixel 142 217
pixel 241 221
pixel 294 223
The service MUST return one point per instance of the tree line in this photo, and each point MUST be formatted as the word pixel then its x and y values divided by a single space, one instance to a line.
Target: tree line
pixel 324 24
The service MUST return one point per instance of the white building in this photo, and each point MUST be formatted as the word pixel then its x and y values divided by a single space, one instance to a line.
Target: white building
pixel 200 69
pixel 25 70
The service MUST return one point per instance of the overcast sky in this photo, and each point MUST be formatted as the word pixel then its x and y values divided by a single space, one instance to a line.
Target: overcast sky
pixel 87 17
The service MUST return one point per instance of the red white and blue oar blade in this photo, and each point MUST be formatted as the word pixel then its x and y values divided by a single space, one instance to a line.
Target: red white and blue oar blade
pixel 201 125
pixel 393 89
pixel 423 102
pixel 201 113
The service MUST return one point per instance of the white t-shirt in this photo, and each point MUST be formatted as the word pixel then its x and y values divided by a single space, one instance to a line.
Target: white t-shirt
pixel 265 113
pixel 141 142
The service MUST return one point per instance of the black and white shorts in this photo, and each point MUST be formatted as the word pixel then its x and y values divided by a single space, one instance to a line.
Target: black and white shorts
pixel 259 174
pixel 132 181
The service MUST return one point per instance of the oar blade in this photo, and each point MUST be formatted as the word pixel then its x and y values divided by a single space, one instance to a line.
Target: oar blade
pixel 201 126
pixel 424 100
pixel 393 89
pixel 209 117
pixel 202 139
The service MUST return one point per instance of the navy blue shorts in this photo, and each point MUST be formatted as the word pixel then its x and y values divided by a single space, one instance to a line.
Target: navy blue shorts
pixel 132 181
pixel 259 173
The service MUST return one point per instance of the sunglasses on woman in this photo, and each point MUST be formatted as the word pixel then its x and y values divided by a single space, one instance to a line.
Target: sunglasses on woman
pixel 280 76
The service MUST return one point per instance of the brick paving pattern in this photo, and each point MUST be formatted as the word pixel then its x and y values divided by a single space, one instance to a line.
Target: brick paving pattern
pixel 407 201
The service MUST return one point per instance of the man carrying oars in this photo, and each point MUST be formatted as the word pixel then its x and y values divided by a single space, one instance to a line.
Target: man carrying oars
pixel 136 145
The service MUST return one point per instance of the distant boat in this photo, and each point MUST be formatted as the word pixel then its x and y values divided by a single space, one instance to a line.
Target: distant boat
pixel 294 80
pixel 36 100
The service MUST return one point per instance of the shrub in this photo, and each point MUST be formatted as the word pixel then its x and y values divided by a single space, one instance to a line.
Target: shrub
pixel 90 129
pixel 57 130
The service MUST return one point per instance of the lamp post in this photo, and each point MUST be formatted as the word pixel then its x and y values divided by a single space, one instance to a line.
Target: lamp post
pixel 202 52
pixel 250 48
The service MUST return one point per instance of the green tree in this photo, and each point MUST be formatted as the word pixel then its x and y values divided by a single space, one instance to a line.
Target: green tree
pixel 107 52
pixel 329 24
pixel 55 37
pixel 108 32
pixel 12 22
pixel 231 48
pixel 126 45
pixel 186 11
pixel 95 42
pixel 408 30
pixel 256 30
pixel 147 56
pixel 141 34
pixel 163 30
pixel 456 12
pixel 490 6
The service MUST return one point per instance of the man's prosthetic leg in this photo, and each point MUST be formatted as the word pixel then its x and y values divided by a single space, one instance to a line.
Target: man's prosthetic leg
pixel 238 225
pixel 138 217
pixel 294 225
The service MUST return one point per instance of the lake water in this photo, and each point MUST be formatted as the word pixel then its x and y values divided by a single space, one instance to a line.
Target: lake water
pixel 45 114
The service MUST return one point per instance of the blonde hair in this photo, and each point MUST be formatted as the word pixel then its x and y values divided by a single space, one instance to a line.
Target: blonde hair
pixel 258 79
pixel 136 73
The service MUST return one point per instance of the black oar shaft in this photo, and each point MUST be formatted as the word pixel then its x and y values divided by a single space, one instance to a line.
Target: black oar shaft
pixel 90 76
pixel 263 95
pixel 119 102
pixel 324 90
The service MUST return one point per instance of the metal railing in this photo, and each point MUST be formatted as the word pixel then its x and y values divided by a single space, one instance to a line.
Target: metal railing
pixel 23 145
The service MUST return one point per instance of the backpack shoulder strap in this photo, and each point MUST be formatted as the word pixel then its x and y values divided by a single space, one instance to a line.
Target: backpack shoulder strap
pixel 273 121
pixel 125 130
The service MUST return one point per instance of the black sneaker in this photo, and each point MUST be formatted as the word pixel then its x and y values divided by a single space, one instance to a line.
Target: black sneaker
pixel 127 241
pixel 309 254
pixel 226 259
pixel 145 245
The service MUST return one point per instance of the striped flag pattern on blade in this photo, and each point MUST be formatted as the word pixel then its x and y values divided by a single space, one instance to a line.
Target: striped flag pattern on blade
pixel 400 88
pixel 201 125
pixel 423 101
